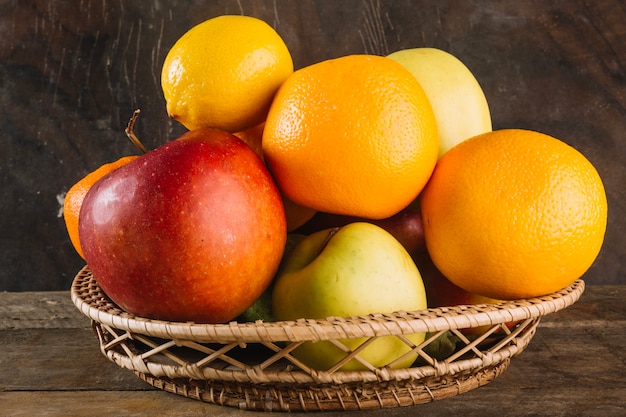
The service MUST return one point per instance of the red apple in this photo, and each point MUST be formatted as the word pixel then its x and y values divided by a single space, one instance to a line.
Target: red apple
pixel 440 291
pixel 192 231
pixel 406 226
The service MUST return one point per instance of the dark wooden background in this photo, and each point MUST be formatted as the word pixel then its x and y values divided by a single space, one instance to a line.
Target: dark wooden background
pixel 72 72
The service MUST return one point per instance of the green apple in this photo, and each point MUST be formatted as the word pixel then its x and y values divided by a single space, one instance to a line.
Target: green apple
pixel 458 101
pixel 357 269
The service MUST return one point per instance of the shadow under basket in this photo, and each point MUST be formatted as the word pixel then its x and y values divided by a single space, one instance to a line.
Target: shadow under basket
pixel 251 366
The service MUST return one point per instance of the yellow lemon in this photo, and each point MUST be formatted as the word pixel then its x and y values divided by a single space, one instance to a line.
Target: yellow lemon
pixel 224 72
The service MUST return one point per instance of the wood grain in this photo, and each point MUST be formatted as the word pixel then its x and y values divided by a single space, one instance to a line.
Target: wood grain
pixel 71 75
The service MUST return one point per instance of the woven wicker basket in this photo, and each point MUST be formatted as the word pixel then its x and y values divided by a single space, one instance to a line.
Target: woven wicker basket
pixel 249 365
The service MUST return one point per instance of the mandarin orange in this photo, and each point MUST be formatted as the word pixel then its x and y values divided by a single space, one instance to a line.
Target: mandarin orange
pixel 76 194
pixel 296 214
pixel 252 136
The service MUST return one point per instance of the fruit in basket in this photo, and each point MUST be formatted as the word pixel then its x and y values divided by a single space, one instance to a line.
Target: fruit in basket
pixel 192 231
pixel 262 307
pixel 441 292
pixel 252 136
pixel 514 214
pixel 76 194
pixel 458 101
pixel 224 72
pixel 406 226
pixel 354 135
pixel 296 214
pixel 357 269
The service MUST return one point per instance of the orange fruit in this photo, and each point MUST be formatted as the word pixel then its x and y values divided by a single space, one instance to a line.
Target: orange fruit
pixel 252 136
pixel 76 194
pixel 514 214
pixel 295 214
pixel 354 135
pixel 224 72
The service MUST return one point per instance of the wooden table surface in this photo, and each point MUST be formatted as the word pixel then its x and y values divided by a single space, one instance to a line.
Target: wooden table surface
pixel 51 365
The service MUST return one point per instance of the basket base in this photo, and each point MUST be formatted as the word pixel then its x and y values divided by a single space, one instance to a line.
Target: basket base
pixel 348 397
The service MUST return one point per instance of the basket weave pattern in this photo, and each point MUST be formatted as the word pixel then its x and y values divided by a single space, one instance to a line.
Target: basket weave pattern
pixel 250 366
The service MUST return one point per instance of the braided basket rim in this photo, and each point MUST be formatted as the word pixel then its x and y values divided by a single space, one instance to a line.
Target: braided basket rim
pixel 95 304
pixel 277 382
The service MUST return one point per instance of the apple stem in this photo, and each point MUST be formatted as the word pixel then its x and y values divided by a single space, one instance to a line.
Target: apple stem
pixel 131 135
pixel 332 232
